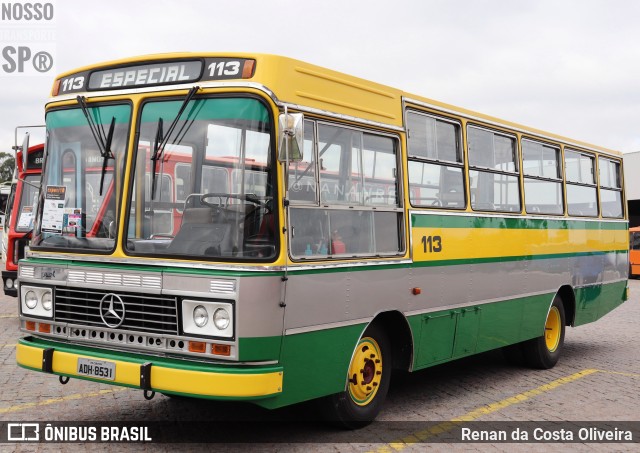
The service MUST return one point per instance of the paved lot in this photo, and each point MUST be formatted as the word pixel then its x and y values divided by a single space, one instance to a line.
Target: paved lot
pixel 597 379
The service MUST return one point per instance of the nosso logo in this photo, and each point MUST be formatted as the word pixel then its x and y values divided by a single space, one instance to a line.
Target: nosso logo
pixel 27 11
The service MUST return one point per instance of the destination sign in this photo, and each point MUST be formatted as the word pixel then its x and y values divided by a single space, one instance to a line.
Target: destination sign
pixel 34 159
pixel 156 74
pixel 146 75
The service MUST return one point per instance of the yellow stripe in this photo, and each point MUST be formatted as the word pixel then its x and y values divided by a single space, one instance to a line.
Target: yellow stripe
pixel 8 316
pixel 444 427
pixel 620 373
pixel 216 384
pixel 163 378
pixel 474 243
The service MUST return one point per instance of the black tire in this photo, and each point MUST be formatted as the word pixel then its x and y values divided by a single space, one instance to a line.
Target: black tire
pixel 367 388
pixel 543 352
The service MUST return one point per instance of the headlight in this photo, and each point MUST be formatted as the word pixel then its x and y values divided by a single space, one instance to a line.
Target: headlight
pixel 9 283
pixel 47 302
pixel 208 318
pixel 200 316
pixel 221 318
pixel 30 299
pixel 36 301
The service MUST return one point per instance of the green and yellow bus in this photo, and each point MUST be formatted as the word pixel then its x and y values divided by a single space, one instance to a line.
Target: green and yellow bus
pixel 259 228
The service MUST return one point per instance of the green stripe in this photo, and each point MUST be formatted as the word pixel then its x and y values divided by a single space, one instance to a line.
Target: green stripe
pixel 328 270
pixel 502 259
pixel 101 115
pixel 163 268
pixel 207 109
pixel 516 223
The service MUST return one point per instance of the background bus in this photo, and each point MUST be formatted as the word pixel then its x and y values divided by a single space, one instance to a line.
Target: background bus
pixel 5 191
pixel 634 252
pixel 20 214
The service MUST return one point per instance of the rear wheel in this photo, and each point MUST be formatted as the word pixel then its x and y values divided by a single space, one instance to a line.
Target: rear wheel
pixel 367 382
pixel 543 352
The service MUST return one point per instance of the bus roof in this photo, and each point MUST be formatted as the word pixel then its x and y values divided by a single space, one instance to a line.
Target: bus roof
pixel 303 84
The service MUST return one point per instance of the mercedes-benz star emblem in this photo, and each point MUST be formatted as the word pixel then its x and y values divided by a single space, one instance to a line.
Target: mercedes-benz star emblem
pixel 112 310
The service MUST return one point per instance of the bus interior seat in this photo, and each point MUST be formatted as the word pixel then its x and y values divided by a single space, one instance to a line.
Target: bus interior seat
pixel 451 198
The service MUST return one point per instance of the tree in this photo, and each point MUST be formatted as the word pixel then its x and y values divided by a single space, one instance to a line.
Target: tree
pixel 7 165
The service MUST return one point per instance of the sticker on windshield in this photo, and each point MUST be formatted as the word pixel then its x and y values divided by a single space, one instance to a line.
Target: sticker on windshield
pixel 53 212
pixel 71 220
pixel 26 217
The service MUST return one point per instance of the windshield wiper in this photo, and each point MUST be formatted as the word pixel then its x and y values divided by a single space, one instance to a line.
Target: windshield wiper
pixel 108 154
pixel 155 156
pixel 161 142
pixel 104 144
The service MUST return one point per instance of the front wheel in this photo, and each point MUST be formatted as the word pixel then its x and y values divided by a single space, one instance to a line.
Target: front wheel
pixel 543 352
pixel 367 382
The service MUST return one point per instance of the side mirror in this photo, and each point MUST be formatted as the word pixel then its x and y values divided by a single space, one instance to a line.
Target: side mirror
pixel 25 152
pixel 291 128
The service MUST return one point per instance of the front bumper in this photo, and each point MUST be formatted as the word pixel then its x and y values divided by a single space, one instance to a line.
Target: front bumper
pixel 159 374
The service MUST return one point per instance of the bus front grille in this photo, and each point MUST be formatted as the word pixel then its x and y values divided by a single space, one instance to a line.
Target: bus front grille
pixel 142 312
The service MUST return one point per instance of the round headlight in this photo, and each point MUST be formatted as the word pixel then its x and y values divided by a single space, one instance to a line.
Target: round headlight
pixel 31 299
pixel 47 302
pixel 200 316
pixel 9 283
pixel 221 318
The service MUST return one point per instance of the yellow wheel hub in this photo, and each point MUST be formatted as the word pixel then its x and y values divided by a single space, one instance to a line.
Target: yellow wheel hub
pixel 365 372
pixel 553 329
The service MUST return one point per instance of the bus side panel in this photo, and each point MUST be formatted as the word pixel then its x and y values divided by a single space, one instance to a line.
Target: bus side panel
pixel 315 364
pixel 260 318
pixel 593 302
pixel 455 333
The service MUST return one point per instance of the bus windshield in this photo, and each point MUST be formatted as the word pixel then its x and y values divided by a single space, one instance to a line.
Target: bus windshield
pixel 202 185
pixel 28 201
pixel 73 212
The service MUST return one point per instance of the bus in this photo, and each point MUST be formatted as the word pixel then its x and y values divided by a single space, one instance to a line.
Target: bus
pixel 266 230
pixel 20 214
pixel 5 192
pixel 634 252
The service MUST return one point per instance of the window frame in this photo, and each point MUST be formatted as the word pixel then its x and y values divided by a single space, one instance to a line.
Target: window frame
pixel 331 206
pixel 569 182
pixel 481 169
pixel 618 188
pixel 559 179
pixel 436 161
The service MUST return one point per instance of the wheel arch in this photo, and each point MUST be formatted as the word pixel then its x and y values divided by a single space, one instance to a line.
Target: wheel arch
pixel 568 297
pixel 398 331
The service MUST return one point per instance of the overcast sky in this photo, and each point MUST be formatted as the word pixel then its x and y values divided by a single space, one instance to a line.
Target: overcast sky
pixel 568 67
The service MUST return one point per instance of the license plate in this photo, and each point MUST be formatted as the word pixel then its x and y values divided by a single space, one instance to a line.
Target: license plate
pixel 97 369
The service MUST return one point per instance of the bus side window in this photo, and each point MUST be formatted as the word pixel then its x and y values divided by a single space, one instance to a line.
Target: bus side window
pixel 310 232
pixel 436 176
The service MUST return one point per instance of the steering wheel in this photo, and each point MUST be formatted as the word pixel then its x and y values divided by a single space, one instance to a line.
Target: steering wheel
pixel 260 201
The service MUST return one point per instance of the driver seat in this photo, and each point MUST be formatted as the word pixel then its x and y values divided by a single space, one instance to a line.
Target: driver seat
pixel 202 234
